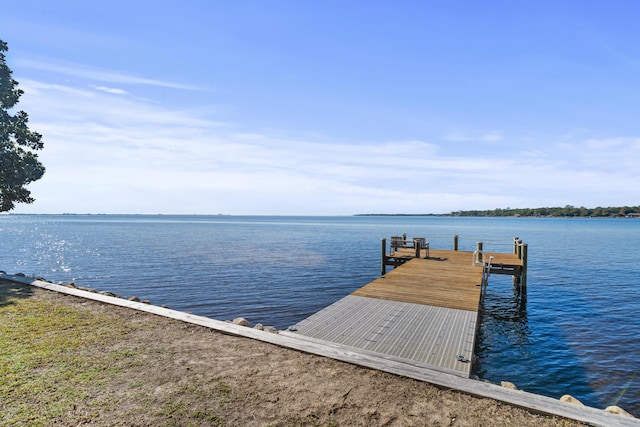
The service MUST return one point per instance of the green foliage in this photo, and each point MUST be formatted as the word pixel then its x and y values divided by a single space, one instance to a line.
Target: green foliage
pixel 567 211
pixel 19 164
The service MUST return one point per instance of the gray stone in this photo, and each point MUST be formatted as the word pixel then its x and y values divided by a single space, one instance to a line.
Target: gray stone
pixel 570 399
pixel 259 326
pixel 509 385
pixel 618 411
pixel 240 321
pixel 270 329
pixel 134 298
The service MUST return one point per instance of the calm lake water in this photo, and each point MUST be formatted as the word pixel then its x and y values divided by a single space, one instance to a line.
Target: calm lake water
pixel 576 334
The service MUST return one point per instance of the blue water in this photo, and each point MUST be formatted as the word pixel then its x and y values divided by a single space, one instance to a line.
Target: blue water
pixel 576 333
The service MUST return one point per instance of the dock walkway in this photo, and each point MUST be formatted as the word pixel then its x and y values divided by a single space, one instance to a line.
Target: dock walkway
pixel 424 312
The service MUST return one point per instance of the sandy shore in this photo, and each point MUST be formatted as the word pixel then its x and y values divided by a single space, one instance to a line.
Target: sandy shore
pixel 165 372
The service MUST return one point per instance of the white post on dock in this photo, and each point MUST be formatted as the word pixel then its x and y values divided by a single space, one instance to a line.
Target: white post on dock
pixel 477 255
pixel 517 250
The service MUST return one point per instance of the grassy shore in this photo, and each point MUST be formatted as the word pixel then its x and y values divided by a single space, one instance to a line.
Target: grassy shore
pixel 69 361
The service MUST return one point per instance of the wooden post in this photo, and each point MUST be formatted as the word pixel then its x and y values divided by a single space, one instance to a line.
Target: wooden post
pixel 478 252
pixel 519 249
pixel 455 242
pixel 384 256
pixel 525 254
pixel 416 244
pixel 516 279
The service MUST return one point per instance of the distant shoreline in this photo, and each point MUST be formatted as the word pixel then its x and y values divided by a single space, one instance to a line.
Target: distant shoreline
pixel 554 212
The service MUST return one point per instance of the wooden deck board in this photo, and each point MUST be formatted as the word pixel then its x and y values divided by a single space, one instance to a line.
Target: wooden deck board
pixel 445 279
pixel 461 256
pixel 503 258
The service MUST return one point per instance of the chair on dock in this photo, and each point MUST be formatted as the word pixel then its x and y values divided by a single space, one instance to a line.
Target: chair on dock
pixel 397 242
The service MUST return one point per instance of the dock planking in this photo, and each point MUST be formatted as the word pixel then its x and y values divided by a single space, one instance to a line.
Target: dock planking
pixel 445 279
pixel 424 311
pixel 431 337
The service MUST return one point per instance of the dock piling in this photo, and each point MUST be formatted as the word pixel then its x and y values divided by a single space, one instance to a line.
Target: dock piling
pixel 520 280
pixel 525 250
pixel 384 257
pixel 477 255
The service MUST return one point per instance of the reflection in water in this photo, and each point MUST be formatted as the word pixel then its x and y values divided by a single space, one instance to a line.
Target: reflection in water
pixel 503 324
pixel 508 350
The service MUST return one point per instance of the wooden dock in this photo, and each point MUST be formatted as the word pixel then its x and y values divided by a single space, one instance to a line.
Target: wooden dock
pixel 423 312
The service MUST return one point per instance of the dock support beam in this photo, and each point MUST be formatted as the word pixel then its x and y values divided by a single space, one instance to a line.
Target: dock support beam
pixel 525 250
pixel 455 242
pixel 384 257
pixel 520 280
pixel 517 244
pixel 517 247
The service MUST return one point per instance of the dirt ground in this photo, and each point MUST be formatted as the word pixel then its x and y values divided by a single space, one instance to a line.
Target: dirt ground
pixel 180 374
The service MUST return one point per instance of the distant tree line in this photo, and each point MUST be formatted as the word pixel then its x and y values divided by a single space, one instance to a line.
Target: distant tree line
pixel 567 211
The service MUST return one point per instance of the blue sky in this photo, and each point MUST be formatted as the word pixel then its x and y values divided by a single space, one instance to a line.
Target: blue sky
pixel 328 107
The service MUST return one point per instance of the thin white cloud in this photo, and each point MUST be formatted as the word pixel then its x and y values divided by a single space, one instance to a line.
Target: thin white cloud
pixel 111 90
pixel 613 155
pixel 96 74
pixel 474 137
pixel 534 153
pixel 69 103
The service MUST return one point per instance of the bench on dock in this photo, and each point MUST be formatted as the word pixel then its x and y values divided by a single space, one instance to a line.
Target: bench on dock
pixel 398 242
pixel 417 243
